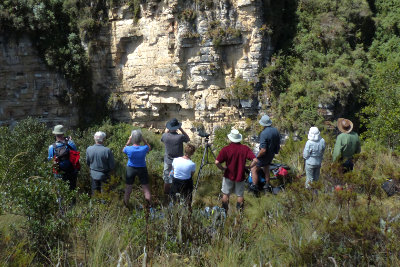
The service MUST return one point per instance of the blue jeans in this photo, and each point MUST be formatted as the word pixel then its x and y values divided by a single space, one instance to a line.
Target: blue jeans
pixel 312 172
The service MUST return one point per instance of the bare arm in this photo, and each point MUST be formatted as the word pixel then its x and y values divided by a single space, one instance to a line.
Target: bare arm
pixel 145 142
pixel 184 133
pixel 253 163
pixel 261 152
pixel 220 166
pixel 127 143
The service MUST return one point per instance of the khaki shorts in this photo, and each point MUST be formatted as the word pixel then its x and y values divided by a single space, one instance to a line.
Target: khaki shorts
pixel 229 186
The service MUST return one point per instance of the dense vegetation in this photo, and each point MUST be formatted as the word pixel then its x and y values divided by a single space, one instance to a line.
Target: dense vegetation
pixel 59 29
pixel 356 226
pixel 331 56
pixel 343 56
pixel 340 55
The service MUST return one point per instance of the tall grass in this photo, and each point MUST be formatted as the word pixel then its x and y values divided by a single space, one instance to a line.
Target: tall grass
pixel 356 226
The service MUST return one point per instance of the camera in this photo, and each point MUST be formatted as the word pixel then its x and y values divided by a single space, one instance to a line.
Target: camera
pixel 203 134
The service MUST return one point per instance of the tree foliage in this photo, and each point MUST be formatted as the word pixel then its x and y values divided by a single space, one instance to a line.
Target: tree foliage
pixel 324 65
pixel 381 115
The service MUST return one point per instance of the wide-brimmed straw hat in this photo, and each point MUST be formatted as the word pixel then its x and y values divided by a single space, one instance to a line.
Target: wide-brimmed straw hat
pixel 173 124
pixel 235 136
pixel 314 134
pixel 58 129
pixel 265 121
pixel 344 125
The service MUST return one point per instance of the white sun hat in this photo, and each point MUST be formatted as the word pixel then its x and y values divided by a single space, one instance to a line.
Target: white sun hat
pixel 235 136
pixel 314 134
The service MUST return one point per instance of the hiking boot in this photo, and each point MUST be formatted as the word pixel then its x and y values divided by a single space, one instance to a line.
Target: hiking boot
pixel 267 187
pixel 253 188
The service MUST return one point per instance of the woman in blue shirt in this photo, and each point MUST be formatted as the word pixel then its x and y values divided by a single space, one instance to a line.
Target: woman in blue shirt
pixel 136 165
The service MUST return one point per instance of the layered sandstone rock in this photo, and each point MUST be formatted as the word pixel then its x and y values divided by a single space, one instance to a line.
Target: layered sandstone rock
pixel 164 65
pixel 168 66
pixel 29 88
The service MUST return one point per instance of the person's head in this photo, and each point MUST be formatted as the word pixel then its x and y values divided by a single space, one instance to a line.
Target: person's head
pixel 265 121
pixel 314 134
pixel 235 136
pixel 59 131
pixel 136 137
pixel 189 150
pixel 345 125
pixel 99 137
pixel 173 125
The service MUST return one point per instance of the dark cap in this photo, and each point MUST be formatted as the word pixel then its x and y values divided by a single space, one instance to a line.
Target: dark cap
pixel 173 124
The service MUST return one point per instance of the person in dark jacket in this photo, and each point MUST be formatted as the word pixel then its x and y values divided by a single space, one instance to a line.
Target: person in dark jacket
pixel 58 152
pixel 269 146
pixel 173 149
pixel 100 159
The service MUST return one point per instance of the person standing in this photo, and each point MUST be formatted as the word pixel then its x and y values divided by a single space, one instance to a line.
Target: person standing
pixel 100 159
pixel 173 149
pixel 183 169
pixel 313 154
pixel 269 146
pixel 59 153
pixel 136 166
pixel 347 144
pixel 235 156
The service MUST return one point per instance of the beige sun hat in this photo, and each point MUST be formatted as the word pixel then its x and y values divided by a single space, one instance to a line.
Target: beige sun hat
pixel 344 125
pixel 235 136
pixel 58 129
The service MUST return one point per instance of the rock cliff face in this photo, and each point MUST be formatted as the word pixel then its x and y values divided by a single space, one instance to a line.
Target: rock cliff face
pixel 29 88
pixel 179 58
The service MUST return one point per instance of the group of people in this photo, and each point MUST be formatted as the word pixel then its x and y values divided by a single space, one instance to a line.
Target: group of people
pixel 346 146
pixel 179 168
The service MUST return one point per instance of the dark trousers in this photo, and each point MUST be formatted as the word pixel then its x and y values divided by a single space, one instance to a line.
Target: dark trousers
pixel 70 178
pixel 97 184
pixel 348 165
pixel 184 188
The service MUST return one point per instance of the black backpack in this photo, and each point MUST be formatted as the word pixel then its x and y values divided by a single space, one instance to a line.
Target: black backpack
pixel 62 152
pixel 390 187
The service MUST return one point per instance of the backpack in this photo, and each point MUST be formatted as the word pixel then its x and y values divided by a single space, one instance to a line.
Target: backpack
pixel 390 187
pixel 63 153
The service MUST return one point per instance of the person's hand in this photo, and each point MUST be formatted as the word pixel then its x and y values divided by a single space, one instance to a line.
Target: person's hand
pixel 129 141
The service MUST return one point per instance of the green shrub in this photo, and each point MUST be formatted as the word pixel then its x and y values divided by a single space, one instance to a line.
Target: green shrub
pixel 219 34
pixel 326 64
pixel 188 15
pixel 240 89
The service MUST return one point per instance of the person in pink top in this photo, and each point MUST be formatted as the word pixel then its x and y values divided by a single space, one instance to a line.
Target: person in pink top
pixel 235 156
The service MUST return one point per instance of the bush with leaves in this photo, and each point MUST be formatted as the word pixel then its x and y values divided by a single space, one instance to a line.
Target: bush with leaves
pixel 381 115
pixel 325 65
pixel 28 188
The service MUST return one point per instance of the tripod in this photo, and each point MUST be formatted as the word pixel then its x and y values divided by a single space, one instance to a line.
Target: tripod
pixel 204 160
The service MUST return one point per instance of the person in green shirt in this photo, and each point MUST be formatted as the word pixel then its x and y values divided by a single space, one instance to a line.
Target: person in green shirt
pixel 347 144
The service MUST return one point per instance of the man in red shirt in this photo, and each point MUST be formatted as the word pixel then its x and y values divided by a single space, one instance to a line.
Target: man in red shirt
pixel 234 155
